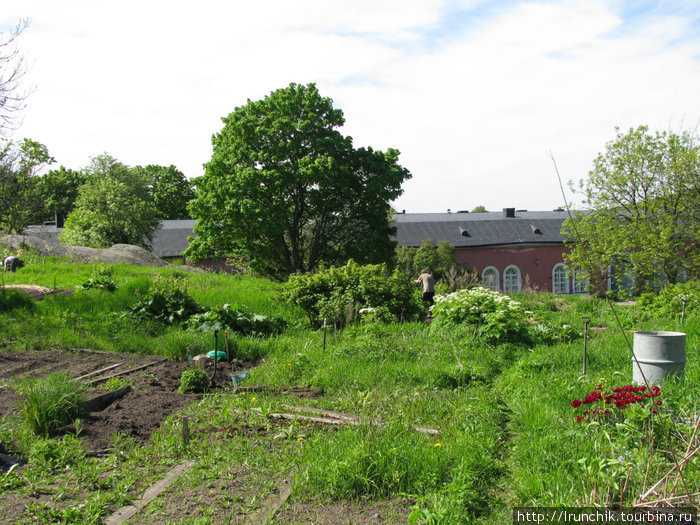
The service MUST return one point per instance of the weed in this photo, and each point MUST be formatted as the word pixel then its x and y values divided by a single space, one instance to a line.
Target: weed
pixel 50 403
pixel 193 381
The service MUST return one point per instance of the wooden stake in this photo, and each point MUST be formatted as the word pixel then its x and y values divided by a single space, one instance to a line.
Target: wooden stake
pixel 185 430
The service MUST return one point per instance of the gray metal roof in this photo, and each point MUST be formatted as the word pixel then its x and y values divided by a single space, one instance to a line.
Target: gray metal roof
pixel 458 229
pixel 171 239
pixel 480 229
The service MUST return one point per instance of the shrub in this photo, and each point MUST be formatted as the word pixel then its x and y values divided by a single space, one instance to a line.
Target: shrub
pixel 193 381
pixel 228 317
pixel 167 301
pixel 51 402
pixel 101 279
pixel 497 317
pixel 669 301
pixel 339 293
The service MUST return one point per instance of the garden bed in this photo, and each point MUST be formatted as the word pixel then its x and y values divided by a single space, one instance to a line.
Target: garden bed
pixel 137 414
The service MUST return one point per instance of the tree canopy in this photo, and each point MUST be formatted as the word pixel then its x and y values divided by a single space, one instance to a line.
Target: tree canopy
pixel 288 192
pixel 170 190
pixel 644 198
pixel 20 202
pixel 113 206
pixel 58 190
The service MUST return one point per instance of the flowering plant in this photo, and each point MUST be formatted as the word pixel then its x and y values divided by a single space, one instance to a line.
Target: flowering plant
pixel 498 317
pixel 602 403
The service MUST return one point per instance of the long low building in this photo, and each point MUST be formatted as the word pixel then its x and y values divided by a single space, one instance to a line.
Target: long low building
pixel 510 250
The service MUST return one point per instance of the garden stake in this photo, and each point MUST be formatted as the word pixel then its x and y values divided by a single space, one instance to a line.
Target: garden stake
pixel 216 351
pixel 325 323
pixel 683 300
pixel 585 320
pixel 228 357
pixel 185 431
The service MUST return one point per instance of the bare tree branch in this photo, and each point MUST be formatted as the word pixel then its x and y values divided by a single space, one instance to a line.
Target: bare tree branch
pixel 13 68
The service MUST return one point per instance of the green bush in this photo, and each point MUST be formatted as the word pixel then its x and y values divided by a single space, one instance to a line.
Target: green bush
pixel 497 317
pixel 101 279
pixel 193 381
pixel 339 293
pixel 167 301
pixel 52 402
pixel 669 301
pixel 228 317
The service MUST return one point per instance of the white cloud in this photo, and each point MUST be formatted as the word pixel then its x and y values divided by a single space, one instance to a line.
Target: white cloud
pixel 474 94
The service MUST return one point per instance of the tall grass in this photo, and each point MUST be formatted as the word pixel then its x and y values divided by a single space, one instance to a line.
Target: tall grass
pixel 507 431
pixel 51 402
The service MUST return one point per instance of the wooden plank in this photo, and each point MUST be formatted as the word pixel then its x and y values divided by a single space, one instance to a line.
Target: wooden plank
pixel 329 413
pixel 89 351
pixel 281 389
pixel 326 420
pixel 273 503
pixel 105 369
pixel 99 402
pixel 136 369
pixel 355 418
pixel 129 511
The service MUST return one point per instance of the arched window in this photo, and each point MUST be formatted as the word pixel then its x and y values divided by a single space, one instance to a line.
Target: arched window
pixel 580 281
pixel 511 279
pixel 489 276
pixel 560 278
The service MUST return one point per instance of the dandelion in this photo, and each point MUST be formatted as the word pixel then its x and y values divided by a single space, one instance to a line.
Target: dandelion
pixel 330 368
pixel 437 445
pixel 300 439
pixel 253 398
pixel 416 394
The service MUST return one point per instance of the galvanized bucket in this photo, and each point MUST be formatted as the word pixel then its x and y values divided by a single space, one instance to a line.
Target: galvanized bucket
pixel 658 355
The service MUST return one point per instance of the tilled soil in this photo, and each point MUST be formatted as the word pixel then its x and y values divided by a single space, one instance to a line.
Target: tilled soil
pixel 138 414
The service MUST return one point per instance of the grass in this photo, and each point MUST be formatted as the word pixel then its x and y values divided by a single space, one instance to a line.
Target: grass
pixel 508 436
pixel 49 403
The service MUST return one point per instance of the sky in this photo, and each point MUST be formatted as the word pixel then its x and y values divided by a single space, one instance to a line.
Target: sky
pixel 479 96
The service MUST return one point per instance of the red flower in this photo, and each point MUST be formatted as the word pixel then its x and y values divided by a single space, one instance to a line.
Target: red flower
pixel 576 403
pixel 658 402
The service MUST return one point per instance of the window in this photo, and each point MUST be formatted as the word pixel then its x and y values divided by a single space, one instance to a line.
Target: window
pixel 490 278
pixel 511 279
pixel 580 281
pixel 560 278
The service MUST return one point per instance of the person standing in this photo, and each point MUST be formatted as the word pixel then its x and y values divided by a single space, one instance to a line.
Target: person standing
pixel 428 286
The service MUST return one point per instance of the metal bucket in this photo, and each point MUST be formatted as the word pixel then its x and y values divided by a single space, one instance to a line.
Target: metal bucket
pixel 658 354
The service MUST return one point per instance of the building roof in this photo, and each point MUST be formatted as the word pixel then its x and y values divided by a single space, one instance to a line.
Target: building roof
pixel 171 239
pixel 460 229
pixel 463 229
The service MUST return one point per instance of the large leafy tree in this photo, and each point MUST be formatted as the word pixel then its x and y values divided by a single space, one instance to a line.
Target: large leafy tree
pixel 170 190
pixel 59 190
pixel 288 192
pixel 113 206
pixel 644 198
pixel 20 200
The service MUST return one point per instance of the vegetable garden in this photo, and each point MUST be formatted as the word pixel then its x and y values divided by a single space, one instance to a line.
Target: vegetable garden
pixel 378 417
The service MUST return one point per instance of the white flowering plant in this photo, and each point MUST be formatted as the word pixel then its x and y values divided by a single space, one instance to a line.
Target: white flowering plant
pixel 498 317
